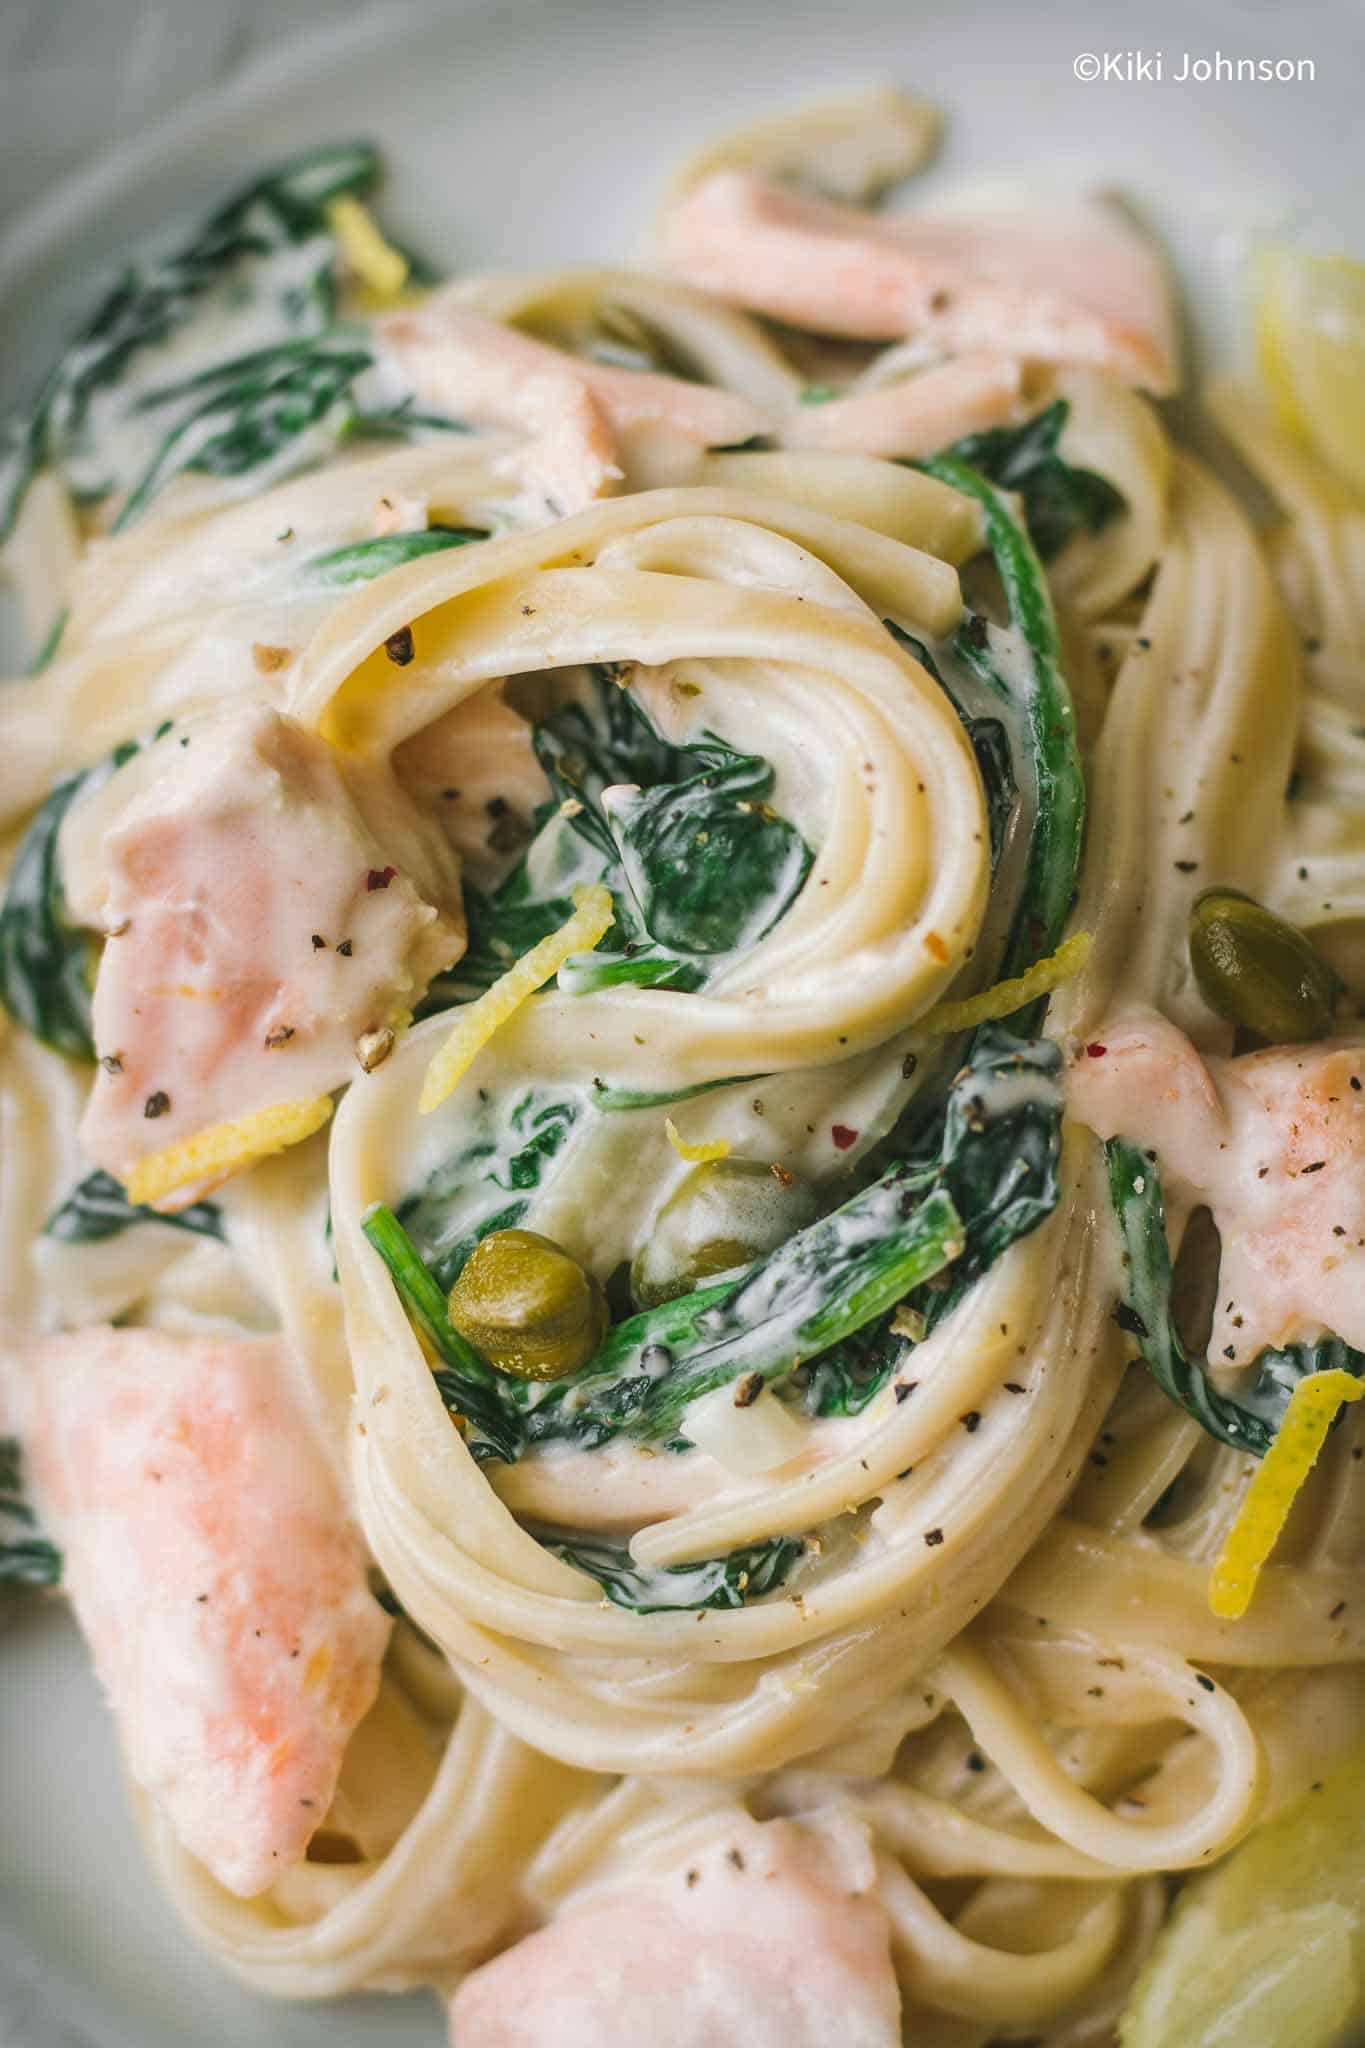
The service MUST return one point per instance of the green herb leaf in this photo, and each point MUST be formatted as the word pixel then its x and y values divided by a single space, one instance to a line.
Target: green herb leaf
pixel 714 1582
pixel 487 1185
pixel 1247 1421
pixel 1060 500
pixel 467 1385
pixel 343 568
pixel 822 1285
pixel 98 1208
pixel 27 1558
pixel 1054 851
pixel 240 248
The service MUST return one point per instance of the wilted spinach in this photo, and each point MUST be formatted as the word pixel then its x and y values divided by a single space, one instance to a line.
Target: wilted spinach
pixel 240 320
pixel 1060 500
pixel 27 1558
pixel 98 1208
pixel 713 1582
pixel 47 964
pixel 1248 1420
pixel 698 862
pixel 363 560
pixel 487 1185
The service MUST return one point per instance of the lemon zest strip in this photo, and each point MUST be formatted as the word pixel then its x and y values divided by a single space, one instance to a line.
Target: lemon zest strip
pixel 374 261
pixel 1005 997
pixel 700 1153
pixel 1274 1487
pixel 223 1149
pixel 591 920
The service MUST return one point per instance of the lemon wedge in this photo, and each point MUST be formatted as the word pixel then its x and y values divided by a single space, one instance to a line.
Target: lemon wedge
pixel 1310 344
pixel 1267 1949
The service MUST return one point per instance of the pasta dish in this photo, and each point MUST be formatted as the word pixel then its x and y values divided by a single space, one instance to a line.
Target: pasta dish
pixel 684 1110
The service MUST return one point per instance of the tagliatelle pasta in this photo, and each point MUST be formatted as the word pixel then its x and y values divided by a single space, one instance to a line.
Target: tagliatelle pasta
pixel 708 1009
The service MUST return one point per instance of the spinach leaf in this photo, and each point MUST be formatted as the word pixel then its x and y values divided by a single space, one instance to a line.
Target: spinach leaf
pixel 1054 849
pixel 706 866
pixel 98 1208
pixel 47 964
pixel 825 1283
pixel 227 261
pixel 1248 1420
pixel 1059 499
pixel 990 744
pixel 245 413
pixel 845 1379
pixel 995 1148
pixel 586 748
pixel 363 560
pixel 47 652
pixel 697 861
pixel 488 1183
pixel 609 1099
pixel 27 1558
pixel 467 1385
pixel 984 1175
pixel 714 1582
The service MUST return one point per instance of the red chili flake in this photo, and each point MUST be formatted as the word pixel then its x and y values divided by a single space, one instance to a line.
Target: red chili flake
pixel 379 878
pixel 156 1104
pixel 399 646
pixel 1096 1051
pixel 843 1137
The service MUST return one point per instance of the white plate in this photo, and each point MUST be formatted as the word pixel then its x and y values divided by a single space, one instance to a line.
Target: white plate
pixel 524 133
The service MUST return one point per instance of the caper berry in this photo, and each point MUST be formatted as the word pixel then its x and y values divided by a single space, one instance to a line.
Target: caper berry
pixel 527 1306
pixel 724 1214
pixel 1258 971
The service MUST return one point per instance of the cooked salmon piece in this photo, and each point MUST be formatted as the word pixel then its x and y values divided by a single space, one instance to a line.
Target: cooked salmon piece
pixel 575 413
pixel 753 1939
pixel 267 905
pixel 916 416
pixel 1274 1143
pixel 212 1567
pixel 1069 282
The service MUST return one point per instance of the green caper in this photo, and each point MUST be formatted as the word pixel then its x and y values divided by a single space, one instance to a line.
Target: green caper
pixel 1258 971
pixel 722 1215
pixel 527 1306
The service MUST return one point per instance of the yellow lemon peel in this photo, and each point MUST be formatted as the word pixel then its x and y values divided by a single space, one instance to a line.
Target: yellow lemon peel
pixel 699 1153
pixel 591 920
pixel 1005 997
pixel 369 257
pixel 1275 1486
pixel 224 1149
